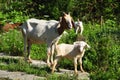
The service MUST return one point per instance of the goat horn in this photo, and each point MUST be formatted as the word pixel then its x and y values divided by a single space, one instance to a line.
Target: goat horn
pixel 64 13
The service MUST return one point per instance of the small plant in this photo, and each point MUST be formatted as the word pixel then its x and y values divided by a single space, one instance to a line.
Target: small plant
pixel 69 37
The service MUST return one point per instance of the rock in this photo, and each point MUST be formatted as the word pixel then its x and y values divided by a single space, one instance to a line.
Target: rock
pixel 83 76
pixel 80 76
pixel 19 76
pixel 38 63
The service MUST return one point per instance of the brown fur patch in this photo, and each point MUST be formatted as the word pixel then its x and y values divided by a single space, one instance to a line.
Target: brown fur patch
pixel 64 24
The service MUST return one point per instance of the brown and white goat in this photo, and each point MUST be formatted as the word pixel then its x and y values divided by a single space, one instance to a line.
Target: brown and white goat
pixel 37 31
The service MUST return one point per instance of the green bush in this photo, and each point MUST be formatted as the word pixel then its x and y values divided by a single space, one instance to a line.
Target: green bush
pixel 11 42
pixel 102 60
pixel 68 37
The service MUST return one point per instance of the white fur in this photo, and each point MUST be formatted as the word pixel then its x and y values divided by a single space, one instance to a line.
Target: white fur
pixel 42 31
pixel 72 51
pixel 79 27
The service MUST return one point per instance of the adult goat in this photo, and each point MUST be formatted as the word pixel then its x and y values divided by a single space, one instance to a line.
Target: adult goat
pixel 43 31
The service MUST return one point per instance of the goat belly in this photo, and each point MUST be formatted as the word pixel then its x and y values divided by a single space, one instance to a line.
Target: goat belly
pixel 36 41
pixel 65 50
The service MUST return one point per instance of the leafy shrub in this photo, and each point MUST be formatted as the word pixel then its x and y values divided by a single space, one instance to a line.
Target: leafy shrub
pixel 69 37
pixel 11 42
pixel 16 16
pixel 102 59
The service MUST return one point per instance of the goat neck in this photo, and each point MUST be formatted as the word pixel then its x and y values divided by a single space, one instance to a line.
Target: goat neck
pixel 63 26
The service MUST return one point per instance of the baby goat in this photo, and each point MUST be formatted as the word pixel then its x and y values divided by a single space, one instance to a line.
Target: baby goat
pixel 72 51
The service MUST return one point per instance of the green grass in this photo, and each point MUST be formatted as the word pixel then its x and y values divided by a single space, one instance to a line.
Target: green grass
pixel 21 65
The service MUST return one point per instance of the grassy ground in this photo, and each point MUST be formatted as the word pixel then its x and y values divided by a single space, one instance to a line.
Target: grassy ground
pixel 22 66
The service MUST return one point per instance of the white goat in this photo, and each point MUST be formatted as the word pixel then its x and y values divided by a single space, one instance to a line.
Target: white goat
pixel 73 51
pixel 43 31
pixel 79 27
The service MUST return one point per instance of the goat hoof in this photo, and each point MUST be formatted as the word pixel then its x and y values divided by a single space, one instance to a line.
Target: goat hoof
pixel 52 72
pixel 76 73
pixel 49 64
pixel 29 61
pixel 82 71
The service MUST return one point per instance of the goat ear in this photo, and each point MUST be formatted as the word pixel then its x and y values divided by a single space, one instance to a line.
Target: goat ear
pixel 88 46
pixel 68 13
pixel 60 19
pixel 78 19
pixel 73 23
